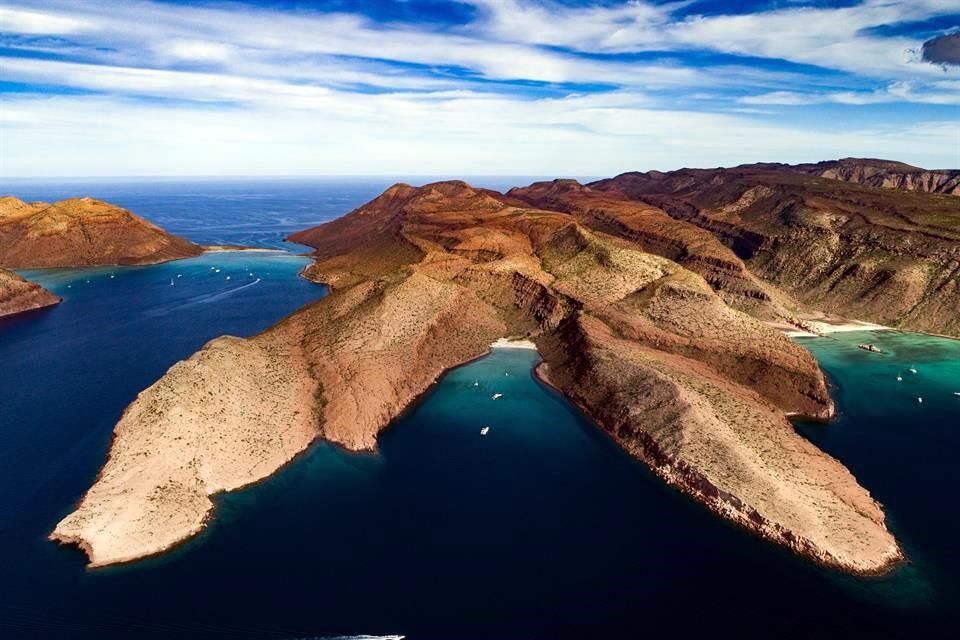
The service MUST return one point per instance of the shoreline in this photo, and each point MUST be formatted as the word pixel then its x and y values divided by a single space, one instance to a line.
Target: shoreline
pixel 824 327
pixel 742 522
pixel 229 248
pixel 513 343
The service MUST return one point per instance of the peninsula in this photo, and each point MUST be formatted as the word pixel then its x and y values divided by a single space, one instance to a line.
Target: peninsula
pixel 18 295
pixel 647 320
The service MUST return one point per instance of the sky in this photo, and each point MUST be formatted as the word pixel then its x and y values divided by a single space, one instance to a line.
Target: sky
pixel 475 87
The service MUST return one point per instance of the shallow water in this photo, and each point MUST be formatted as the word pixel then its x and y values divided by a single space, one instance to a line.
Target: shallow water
pixel 541 529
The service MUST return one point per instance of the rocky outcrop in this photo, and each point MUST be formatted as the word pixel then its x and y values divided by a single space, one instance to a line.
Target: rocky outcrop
pixel 886 175
pixel 887 256
pixel 82 232
pixel 656 232
pixel 425 279
pixel 18 295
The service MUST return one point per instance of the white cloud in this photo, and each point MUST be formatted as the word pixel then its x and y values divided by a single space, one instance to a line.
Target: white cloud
pixel 197 50
pixel 937 93
pixel 456 133
pixel 270 91
pixel 38 22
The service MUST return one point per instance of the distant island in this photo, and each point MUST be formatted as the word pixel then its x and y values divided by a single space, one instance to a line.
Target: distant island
pixel 655 300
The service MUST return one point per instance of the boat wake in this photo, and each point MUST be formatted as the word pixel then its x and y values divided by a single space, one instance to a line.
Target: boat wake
pixel 201 299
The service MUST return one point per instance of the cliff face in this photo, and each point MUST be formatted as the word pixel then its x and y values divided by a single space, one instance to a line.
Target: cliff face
pixel 18 295
pixel 426 278
pixel 82 232
pixel 883 255
pixel 887 175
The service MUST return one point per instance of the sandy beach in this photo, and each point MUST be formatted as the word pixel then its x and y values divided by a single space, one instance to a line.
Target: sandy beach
pixel 509 343
pixel 826 325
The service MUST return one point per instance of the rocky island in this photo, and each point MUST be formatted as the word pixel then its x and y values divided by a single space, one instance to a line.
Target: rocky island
pixel 82 232
pixel 647 310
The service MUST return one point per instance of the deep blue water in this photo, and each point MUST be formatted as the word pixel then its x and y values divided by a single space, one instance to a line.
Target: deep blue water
pixel 542 529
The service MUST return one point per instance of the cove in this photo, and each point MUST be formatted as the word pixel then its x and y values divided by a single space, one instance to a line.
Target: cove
pixel 542 528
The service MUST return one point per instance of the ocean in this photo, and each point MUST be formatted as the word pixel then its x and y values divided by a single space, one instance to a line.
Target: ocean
pixel 543 528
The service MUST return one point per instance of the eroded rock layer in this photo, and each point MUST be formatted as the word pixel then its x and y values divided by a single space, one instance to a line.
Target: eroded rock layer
pixel 82 232
pixel 18 295
pixel 886 174
pixel 426 278
pixel 884 255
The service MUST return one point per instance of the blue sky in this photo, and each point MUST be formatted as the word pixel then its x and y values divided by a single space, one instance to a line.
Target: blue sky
pixel 532 87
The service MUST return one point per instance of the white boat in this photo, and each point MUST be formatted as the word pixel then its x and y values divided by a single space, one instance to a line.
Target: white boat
pixel 179 275
pixel 216 270
pixel 112 276
pixel 956 393
pixel 485 430
pixel 476 384
pixel 171 282
pixel 899 378
pixel 912 370
pixel 496 396
pixel 920 400
pixel 228 277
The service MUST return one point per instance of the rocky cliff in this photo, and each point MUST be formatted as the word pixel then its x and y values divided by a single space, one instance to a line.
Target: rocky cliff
pixel 884 255
pixel 82 232
pixel 425 279
pixel 886 174
pixel 18 295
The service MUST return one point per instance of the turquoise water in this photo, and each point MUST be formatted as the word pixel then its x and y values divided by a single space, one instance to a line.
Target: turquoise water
pixel 903 450
pixel 542 529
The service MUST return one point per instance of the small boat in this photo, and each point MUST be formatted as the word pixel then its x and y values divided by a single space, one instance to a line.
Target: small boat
pixel 899 378
pixel 912 370
pixel 476 384
pixel 956 393
pixel 216 270
pixel 485 430
pixel 171 282
pixel 179 275
pixel 112 276
pixel 920 400
pixel 228 277
pixel 250 274
pixel 496 396
pixel 212 268
pixel 869 347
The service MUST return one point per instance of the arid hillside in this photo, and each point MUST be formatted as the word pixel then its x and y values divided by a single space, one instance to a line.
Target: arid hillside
pixel 886 174
pixel 886 255
pixel 18 295
pixel 82 232
pixel 424 279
